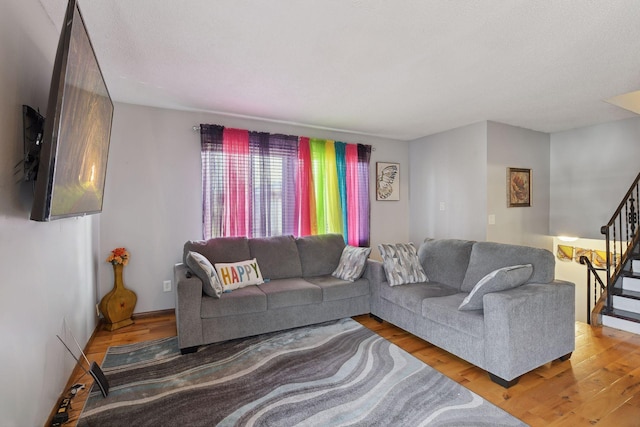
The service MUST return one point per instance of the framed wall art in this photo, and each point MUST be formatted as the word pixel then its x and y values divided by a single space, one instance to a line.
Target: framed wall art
pixel 518 187
pixel 387 181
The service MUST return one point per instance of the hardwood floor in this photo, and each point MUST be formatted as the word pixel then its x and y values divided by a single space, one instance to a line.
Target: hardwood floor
pixel 147 327
pixel 599 385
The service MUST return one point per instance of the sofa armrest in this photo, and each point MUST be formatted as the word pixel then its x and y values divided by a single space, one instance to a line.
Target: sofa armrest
pixel 374 272
pixel 188 305
pixel 528 326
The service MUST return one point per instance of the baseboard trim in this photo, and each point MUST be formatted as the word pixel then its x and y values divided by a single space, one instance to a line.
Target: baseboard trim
pixel 153 313
pixel 134 316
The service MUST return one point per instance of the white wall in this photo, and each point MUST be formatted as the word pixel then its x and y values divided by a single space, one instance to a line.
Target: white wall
pixel 575 272
pixel 390 219
pixel 591 169
pixel 465 168
pixel 510 146
pixel 153 203
pixel 450 168
pixel 48 269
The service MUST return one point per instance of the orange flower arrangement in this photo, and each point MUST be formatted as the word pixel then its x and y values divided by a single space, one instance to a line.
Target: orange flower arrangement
pixel 119 256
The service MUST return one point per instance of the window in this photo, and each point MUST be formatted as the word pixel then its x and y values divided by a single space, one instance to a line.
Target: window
pixel 258 184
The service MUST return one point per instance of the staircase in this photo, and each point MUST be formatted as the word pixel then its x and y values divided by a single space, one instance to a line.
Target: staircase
pixel 617 298
pixel 625 300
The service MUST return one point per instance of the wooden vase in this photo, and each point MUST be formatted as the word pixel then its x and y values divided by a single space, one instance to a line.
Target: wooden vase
pixel 117 305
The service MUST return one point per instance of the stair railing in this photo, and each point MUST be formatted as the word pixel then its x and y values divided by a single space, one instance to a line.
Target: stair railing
pixel 598 291
pixel 621 235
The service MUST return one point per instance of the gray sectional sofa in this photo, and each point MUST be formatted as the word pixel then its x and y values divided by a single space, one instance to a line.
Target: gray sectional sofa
pixel 514 332
pixel 299 289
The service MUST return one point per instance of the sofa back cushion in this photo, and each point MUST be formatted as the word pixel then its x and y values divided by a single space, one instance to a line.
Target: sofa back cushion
pixel 320 255
pixel 445 261
pixel 277 256
pixel 221 249
pixel 489 256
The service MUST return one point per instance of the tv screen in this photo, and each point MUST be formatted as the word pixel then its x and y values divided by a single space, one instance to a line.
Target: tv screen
pixel 75 145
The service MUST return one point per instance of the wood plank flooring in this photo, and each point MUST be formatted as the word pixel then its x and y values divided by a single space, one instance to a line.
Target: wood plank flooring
pixel 599 385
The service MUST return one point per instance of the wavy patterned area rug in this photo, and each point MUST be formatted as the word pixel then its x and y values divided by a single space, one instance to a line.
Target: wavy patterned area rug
pixel 333 374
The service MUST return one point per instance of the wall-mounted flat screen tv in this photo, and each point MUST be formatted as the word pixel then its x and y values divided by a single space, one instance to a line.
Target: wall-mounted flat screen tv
pixel 77 130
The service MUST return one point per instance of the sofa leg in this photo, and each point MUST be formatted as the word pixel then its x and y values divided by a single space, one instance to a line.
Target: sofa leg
pixel 565 357
pixel 189 350
pixel 376 318
pixel 502 382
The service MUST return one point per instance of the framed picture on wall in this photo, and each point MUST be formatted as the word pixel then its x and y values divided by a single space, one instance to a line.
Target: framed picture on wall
pixel 518 187
pixel 387 181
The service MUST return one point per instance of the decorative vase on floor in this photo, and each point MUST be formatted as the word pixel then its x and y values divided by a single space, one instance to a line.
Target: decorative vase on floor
pixel 117 306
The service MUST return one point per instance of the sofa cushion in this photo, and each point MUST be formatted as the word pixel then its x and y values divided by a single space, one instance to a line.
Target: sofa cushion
pixel 221 249
pixel 446 260
pixel 202 268
pixel 489 256
pixel 496 281
pixel 401 264
pixel 410 296
pixel 320 255
pixel 291 292
pixel 277 256
pixel 241 301
pixel 352 263
pixel 236 275
pixel 444 310
pixel 334 289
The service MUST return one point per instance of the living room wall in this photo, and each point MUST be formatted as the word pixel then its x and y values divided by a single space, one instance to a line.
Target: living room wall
pixel 448 184
pixel 48 269
pixel 458 178
pixel 511 146
pixel 591 169
pixel 153 204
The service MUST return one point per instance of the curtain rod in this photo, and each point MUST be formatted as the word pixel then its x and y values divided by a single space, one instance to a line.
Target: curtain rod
pixel 197 129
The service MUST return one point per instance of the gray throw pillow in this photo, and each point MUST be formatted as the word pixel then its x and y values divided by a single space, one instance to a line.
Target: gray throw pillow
pixel 498 280
pixel 401 264
pixel 352 263
pixel 202 268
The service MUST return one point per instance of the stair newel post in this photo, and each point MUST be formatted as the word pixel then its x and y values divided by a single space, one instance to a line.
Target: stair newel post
pixel 589 296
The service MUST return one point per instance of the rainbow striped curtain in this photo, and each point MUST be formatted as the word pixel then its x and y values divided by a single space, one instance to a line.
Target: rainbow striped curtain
pixel 259 184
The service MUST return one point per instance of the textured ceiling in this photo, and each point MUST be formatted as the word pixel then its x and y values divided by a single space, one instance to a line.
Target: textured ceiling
pixel 396 69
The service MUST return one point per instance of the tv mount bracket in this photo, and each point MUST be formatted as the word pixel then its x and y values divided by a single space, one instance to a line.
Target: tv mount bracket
pixel 33 123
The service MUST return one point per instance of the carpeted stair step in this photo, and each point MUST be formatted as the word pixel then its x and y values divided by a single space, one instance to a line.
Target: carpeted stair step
pixel 635 266
pixel 623 320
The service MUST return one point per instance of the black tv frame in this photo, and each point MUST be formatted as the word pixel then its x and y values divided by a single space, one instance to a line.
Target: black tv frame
pixel 79 119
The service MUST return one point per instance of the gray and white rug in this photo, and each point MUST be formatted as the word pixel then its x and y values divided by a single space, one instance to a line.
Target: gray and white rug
pixel 333 374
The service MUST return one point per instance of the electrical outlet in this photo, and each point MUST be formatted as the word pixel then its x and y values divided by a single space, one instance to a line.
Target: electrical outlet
pixel 166 285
